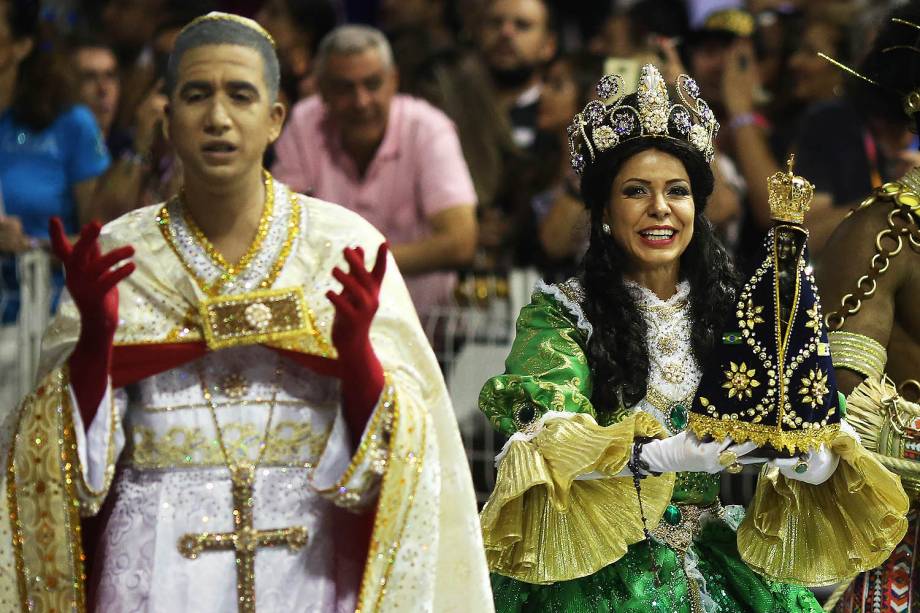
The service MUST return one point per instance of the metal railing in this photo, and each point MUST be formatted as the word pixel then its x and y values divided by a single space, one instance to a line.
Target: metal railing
pixel 22 340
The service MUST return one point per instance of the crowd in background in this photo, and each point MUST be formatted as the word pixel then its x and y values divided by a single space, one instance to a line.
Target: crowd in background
pixel 448 131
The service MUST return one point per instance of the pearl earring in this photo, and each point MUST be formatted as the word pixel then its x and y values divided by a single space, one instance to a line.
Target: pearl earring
pixel 606 228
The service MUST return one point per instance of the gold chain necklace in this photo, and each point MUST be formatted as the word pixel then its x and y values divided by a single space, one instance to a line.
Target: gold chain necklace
pixel 244 540
pixel 889 242
pixel 212 409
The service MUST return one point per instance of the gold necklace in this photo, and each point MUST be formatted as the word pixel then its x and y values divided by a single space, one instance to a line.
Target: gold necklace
pixel 244 540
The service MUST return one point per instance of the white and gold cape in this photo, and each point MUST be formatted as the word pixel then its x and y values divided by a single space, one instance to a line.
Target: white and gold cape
pixel 426 495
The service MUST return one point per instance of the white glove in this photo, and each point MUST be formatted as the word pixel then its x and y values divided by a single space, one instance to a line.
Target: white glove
pixel 821 465
pixel 684 452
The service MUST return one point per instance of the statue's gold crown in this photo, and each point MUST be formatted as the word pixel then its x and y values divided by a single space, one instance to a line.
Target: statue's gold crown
pixel 608 121
pixel 790 195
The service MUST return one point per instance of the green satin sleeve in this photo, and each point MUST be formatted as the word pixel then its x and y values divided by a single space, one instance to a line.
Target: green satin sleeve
pixel 547 369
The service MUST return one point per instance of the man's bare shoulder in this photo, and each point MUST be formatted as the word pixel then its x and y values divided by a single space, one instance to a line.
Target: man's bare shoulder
pixel 848 254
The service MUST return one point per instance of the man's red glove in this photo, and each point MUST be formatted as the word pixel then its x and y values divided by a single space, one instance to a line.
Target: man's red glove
pixel 92 285
pixel 359 369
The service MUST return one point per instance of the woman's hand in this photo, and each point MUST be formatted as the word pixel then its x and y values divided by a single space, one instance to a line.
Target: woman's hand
pixel 684 452
pixel 816 468
pixel 740 81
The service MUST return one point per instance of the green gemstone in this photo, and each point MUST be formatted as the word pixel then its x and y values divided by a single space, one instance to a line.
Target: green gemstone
pixel 800 468
pixel 672 514
pixel 678 417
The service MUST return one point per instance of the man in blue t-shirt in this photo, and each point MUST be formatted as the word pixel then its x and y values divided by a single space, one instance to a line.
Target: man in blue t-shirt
pixel 43 174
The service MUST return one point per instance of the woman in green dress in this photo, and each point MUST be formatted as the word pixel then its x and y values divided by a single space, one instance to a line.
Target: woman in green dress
pixel 603 501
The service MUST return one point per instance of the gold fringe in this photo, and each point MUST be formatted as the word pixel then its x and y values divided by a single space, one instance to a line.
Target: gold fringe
pixel 880 416
pixel 740 432
pixel 816 535
pixel 866 410
pixel 541 525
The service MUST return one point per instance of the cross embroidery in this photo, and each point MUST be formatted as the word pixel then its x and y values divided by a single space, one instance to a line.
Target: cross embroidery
pixel 244 540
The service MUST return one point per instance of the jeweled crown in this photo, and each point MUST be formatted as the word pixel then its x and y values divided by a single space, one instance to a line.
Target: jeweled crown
pixel 607 122
pixel 789 195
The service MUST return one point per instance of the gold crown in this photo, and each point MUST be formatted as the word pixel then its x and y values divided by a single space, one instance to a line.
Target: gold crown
pixel 243 21
pixel 790 195
pixel 607 122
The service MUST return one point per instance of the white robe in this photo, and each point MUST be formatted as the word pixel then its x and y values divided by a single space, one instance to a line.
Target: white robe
pixel 172 481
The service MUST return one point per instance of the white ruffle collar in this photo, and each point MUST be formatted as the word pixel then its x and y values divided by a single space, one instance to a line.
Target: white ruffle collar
pixel 645 297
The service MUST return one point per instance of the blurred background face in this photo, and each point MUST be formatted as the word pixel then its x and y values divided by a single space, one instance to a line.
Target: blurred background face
pixel 97 70
pixel 816 79
pixel 515 35
pixel 560 98
pixel 11 51
pixel 707 64
pixel 131 22
pixel 275 17
pixel 399 14
pixel 358 89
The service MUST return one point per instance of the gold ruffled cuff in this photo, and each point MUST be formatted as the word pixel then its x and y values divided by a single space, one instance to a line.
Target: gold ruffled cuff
pixel 882 418
pixel 541 525
pixel 815 535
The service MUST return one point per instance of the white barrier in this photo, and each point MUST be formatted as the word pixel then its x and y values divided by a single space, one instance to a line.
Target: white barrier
pixel 21 342
pixel 471 343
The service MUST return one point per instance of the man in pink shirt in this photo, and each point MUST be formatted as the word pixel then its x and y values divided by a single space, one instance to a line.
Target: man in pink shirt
pixel 394 159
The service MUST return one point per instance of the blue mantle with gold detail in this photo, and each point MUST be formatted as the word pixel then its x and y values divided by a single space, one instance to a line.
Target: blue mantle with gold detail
pixel 770 379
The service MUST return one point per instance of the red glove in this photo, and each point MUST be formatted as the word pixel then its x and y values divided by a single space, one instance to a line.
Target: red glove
pixel 359 369
pixel 91 284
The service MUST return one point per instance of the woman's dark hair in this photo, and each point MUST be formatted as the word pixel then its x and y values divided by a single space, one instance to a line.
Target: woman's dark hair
pixel 45 86
pixel 617 350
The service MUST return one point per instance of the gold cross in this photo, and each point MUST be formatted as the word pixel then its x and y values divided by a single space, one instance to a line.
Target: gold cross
pixel 244 540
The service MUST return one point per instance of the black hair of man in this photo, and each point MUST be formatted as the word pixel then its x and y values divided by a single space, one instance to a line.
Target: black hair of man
pixel 894 63
pixel 225 32
pixel 177 14
pixel 316 18
pixel 88 38
pixel 22 17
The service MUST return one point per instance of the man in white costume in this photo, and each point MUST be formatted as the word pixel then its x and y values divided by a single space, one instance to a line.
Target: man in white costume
pixel 262 430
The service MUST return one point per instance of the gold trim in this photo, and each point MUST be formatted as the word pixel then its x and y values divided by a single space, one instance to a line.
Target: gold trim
pixel 16 528
pixel 293 232
pixel 219 405
pixel 389 406
pixel 419 464
pixel 225 322
pixel 231 270
pixel 858 352
pixel 228 272
pixel 781 339
pixel 163 221
pixel 740 432
pixel 847 69
pixel 44 456
pixel 369 582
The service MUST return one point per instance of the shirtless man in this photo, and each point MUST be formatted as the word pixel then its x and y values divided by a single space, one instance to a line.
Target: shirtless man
pixel 869 276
